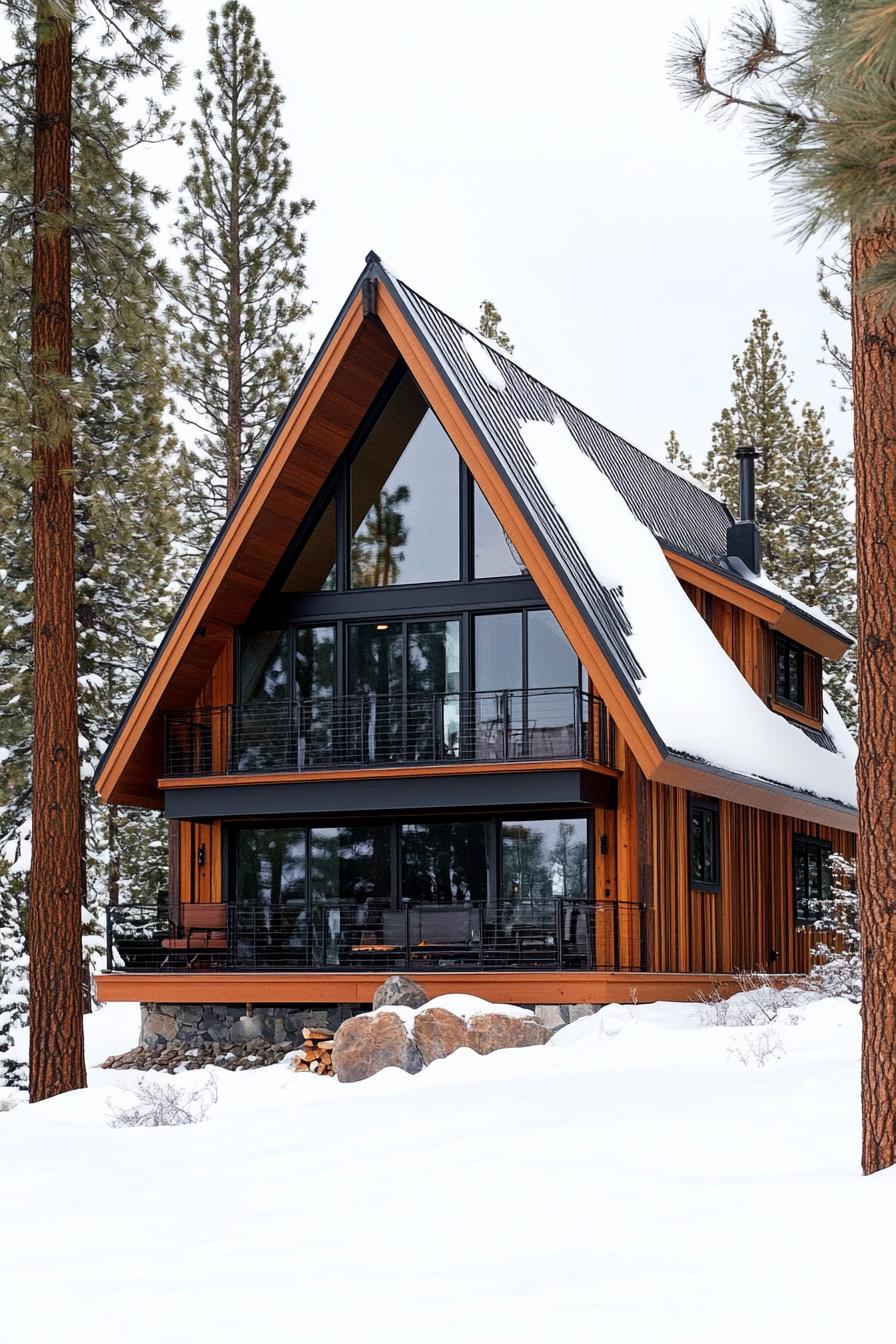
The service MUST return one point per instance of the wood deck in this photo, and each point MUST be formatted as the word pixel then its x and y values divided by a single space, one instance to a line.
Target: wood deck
pixel 524 987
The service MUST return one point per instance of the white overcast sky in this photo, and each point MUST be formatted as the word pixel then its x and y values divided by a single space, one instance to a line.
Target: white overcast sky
pixel 533 152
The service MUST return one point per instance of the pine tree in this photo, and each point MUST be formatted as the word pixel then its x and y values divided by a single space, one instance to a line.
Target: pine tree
pixel 676 456
pixel 121 484
pixel 819 549
pixel 820 108
pixel 761 414
pixel 243 256
pixel 490 326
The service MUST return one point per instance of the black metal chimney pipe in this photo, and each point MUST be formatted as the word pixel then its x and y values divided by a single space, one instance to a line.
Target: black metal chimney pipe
pixel 744 541
pixel 746 461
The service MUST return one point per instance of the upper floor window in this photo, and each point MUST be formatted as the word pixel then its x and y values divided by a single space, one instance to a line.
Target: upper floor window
pixel 704 849
pixel 811 877
pixel 405 497
pixel 789 672
pixel 401 508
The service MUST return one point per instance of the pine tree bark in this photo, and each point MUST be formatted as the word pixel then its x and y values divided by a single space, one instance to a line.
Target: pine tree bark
pixel 874 375
pixel 54 915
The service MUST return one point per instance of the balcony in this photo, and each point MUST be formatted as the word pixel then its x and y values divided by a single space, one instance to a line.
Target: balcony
pixel 375 732
pixel 338 936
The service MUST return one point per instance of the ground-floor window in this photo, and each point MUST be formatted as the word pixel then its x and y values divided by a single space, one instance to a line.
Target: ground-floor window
pixel 339 893
pixel 811 877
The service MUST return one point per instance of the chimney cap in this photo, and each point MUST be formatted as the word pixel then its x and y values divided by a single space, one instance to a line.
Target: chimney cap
pixel 746 450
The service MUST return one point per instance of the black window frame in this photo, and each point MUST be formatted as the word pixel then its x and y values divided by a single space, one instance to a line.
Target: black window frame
pixel 785 692
pixel 811 850
pixel 709 807
pixel 492 819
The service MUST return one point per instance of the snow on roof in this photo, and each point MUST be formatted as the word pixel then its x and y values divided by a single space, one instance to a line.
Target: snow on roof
pixel 762 580
pixel 485 365
pixel 695 696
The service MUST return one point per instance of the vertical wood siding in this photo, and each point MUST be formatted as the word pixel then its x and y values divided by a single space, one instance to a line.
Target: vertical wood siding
pixel 749 924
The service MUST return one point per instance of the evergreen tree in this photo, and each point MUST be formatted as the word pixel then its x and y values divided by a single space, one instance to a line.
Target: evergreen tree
pixel 820 108
pixel 126 471
pixel 490 326
pixel 676 456
pixel 761 413
pixel 243 255
pixel 819 554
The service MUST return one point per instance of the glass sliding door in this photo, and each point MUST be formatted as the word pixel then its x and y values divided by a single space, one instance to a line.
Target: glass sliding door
pixel 433 712
pixel 553 702
pixel 544 890
pixel 498 678
pixel 350 891
pixel 376 688
pixel 270 919
pixel 404 679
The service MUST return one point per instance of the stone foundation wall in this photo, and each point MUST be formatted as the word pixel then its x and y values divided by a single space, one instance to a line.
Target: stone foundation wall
pixel 199 1024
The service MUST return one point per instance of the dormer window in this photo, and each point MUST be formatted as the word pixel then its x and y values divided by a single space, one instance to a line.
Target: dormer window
pixel 789 672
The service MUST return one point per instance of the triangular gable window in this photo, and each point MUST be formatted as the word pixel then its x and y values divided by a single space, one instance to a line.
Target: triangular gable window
pixel 315 568
pixel 494 554
pixel 405 497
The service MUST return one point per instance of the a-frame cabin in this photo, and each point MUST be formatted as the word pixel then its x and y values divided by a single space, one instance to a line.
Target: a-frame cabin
pixel 469 687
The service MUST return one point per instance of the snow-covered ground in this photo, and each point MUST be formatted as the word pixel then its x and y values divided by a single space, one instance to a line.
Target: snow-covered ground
pixel 642 1178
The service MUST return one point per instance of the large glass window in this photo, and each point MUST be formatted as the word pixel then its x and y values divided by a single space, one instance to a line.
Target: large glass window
pixel 315 686
pixel 350 888
pixel 812 877
pixel 433 658
pixel 405 497
pixel 444 863
pixel 270 923
pixel 262 737
pixel 494 554
pixel 315 568
pixel 544 884
pixel 497 891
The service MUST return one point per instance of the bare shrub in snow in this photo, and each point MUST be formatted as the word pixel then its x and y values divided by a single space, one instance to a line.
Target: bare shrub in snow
pixel 837 955
pixel 9 1103
pixel 757 1047
pixel 759 1001
pixel 151 1104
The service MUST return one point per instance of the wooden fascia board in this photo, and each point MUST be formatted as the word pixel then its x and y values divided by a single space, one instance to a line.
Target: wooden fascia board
pixel 810 635
pixel 754 793
pixel 767 607
pixel 572 764
pixel 628 719
pixel 228 548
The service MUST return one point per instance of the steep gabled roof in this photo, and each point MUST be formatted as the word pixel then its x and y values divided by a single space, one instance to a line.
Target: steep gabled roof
pixel 382 320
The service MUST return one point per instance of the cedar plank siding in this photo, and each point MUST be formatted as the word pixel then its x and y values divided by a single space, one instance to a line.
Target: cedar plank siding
pixel 738 927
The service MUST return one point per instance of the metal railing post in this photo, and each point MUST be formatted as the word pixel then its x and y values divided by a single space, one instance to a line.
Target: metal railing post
pixel 645 951
pixel 505 715
pixel 110 959
pixel 577 719
pixel 407 937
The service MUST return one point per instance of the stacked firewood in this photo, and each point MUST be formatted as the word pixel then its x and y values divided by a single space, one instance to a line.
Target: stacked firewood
pixel 315 1054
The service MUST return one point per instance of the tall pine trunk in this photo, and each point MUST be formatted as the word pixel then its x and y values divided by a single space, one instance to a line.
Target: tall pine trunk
pixel 874 376
pixel 54 915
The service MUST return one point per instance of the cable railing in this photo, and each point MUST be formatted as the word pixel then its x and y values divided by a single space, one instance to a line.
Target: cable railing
pixel 374 731
pixel 550 934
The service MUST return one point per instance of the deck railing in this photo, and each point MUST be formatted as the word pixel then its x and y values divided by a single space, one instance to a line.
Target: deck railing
pixel 373 731
pixel 559 935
